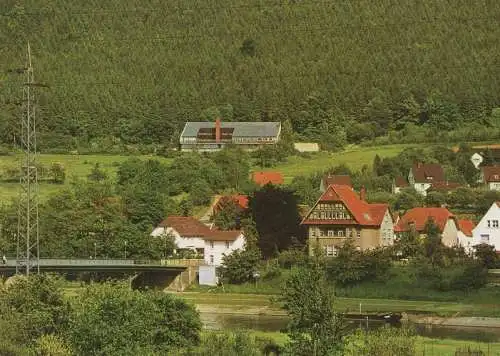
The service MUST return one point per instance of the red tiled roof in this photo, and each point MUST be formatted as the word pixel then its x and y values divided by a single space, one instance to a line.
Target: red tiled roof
pixel 219 235
pixel 491 174
pixel 338 179
pixel 240 200
pixel 186 226
pixel 363 213
pixel 445 186
pixel 428 172
pixel 401 182
pixel 419 217
pixel 466 226
pixel 262 178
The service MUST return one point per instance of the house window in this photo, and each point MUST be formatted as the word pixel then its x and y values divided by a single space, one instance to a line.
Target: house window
pixel 489 223
pixel 485 238
pixel 227 244
pixel 211 244
pixel 495 224
pixel 330 251
pixel 340 233
pixel 211 259
pixel 331 233
pixel 359 234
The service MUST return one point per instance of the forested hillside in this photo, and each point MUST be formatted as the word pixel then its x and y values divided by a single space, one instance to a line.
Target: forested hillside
pixel 132 71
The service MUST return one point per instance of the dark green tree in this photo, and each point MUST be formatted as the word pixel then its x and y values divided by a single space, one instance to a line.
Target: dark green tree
pixel 240 266
pixel 275 212
pixel 314 327
pixel 111 319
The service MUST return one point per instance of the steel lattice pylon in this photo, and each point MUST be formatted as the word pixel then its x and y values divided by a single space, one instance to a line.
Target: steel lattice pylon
pixel 28 254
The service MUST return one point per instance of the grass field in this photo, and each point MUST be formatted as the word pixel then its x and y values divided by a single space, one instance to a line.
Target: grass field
pixel 79 166
pixel 354 157
pixel 76 166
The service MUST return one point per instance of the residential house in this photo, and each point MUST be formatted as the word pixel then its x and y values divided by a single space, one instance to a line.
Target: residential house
pixel 220 201
pixel 340 214
pixel 444 187
pixel 490 175
pixel 398 184
pixel 209 137
pixel 464 235
pixel 262 178
pixel 488 229
pixel 423 175
pixel 487 155
pixel 334 179
pixel 416 219
pixel 191 234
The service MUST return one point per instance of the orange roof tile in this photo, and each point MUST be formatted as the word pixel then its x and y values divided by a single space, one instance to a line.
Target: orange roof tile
pixel 338 179
pixel 401 182
pixel 419 217
pixel 263 178
pixel 364 213
pixel 466 226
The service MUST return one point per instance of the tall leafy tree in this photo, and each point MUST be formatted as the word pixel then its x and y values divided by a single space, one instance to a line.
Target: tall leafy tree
pixel 275 212
pixel 314 328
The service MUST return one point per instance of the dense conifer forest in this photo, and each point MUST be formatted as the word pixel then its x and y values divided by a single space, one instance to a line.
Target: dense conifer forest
pixel 133 71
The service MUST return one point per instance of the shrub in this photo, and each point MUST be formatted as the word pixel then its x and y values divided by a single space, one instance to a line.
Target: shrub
pixel 240 266
pixel 292 257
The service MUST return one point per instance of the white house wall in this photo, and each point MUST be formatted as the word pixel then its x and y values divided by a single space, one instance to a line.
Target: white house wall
pixel 484 234
pixel 465 241
pixel 494 186
pixel 422 188
pixel 387 230
pixel 214 250
pixel 450 233
pixel 180 242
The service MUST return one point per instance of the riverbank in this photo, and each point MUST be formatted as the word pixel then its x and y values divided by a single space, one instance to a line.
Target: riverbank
pixel 418 312
pixel 424 345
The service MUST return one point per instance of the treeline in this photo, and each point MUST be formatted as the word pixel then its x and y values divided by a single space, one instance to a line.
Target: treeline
pixel 132 72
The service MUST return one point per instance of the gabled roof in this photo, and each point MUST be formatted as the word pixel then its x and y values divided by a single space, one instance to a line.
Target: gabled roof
pixel 444 186
pixel 401 182
pixel 337 179
pixel 240 200
pixel 466 226
pixel 219 235
pixel 364 214
pixel 427 172
pixel 491 173
pixel 241 129
pixel 419 217
pixel 188 226
pixel 262 178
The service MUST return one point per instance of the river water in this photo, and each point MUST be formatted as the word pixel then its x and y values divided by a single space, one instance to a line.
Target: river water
pixel 218 321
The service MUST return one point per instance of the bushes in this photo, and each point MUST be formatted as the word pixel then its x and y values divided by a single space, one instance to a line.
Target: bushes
pixel 292 257
pixel 240 266
pixel 385 341
pixel 352 266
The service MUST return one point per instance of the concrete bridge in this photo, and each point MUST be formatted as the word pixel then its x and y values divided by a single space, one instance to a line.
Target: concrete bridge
pixel 172 274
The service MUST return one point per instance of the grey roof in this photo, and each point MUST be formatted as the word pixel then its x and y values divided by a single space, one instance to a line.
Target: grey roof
pixel 241 129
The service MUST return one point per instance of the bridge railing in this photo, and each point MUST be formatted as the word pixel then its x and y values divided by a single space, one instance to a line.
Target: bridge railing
pixel 183 262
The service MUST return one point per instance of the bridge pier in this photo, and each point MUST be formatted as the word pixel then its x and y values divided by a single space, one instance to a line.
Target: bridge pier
pixel 170 280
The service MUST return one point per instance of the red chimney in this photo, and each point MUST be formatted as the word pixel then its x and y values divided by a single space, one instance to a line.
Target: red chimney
pixel 217 130
pixel 362 193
